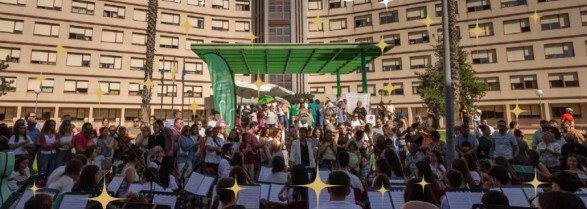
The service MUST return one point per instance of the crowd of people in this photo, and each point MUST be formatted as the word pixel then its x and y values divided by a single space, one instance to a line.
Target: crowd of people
pixel 359 155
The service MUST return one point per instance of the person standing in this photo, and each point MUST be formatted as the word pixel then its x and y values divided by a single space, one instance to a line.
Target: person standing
pixel 186 152
pixel 302 150
pixel 270 117
pixel 213 152
pixel 34 131
pixel 171 121
pixel 477 116
pixel 465 136
pixel 568 117
pixel 341 113
pixel 319 114
pixel 83 138
pixel 49 143
pixel 135 129
pixel 464 114
pixel 503 144
pixel 537 137
pixel 360 110
pixel 433 117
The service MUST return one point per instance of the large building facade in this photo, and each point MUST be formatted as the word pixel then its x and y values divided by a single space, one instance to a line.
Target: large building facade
pixel 104 45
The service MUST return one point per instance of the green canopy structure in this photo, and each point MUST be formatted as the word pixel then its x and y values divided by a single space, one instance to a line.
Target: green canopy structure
pixel 226 60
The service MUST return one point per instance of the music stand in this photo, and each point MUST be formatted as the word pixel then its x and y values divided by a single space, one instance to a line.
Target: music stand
pixel 179 202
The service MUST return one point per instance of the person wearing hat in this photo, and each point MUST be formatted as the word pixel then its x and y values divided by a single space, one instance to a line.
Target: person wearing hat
pixel 568 117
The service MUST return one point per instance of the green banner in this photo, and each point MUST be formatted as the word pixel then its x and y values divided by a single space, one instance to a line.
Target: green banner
pixel 223 88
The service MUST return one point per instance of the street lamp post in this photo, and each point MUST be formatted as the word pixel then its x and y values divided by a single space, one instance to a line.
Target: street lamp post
pixel 539 92
pixel 37 92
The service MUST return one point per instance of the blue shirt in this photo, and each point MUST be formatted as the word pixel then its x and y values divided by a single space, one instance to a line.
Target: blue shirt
pixel 471 139
pixel 34 132
pixel 340 118
pixel 504 145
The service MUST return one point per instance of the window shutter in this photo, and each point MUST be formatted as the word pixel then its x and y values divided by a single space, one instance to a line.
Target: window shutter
pixel 115 86
pixel 108 36
pixel 515 54
pixel 118 63
pixel 474 3
pixel 69 86
pixel 119 36
pixel 104 87
pixel 417 60
pixel 134 87
pixel 74 59
pixel 82 84
pixel 549 19
pixel 39 56
pixel 570 77
pixel 52 57
pixel 42 29
pixel 553 49
pixel 33 84
pixel 55 30
pixel 45 3
pixel 107 60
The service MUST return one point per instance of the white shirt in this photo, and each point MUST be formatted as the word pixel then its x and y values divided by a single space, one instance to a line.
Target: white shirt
pixel 19 150
pixel 355 123
pixel 172 183
pixel 57 172
pixel 223 168
pixel 355 181
pixel 211 156
pixel 63 184
pixel 475 175
pixel 65 140
pixel 339 205
pixel 278 178
pixel 211 123
pixel 49 140
pixel 202 132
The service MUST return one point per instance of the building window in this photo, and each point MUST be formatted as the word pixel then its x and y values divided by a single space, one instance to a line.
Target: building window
pixel 392 64
pixel 137 63
pixel 220 4
pixel 338 24
pixel 418 37
pixel 318 90
pixel 484 56
pixel 199 3
pixel 135 89
pixel 359 2
pixel 496 111
pixel 49 4
pixel 399 88
pixel 312 27
pixel 112 36
pixel 362 21
pixel 140 15
pixel 523 82
pixel 492 83
pixel 189 42
pixel 80 33
pixel 512 3
pixel 46 86
pixel 169 42
pixel 584 18
pixel 169 18
pixel 419 62
pixel 139 39
pixel 279 9
pixel 167 90
pixel 314 4
pixel 333 4
pixel 194 68
pixel 75 87
pixel 192 92
pixel 364 40
pixel 243 5
pixel 478 5
pixel 111 62
pixel 221 25
pixel 552 22
pixel 111 88
pixel 78 60
pixel 196 22
pixel 388 17
pixel 368 68
pixel 114 11
pixel 531 111
pixel 242 26
pixel 516 26
pixel 340 41
pixel 557 110
pixel 82 7
pixel 166 65
pixel 280 34
pixel 392 39
pixel 438 8
pixel 520 53
pixel 11 26
pixel 416 13
pixel 174 1
pixel 370 88
pixel 416 85
pixel 10 54
pixel 486 27
pixel 15 2
pixel 46 29
pixel 563 80
pixel 44 57
pixel 559 50
pixel 343 89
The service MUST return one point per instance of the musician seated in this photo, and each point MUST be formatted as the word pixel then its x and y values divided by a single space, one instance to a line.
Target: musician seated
pixel 495 198
pixel 20 174
pixel 88 179
pixel 338 194
pixel 149 181
pixel 39 201
pixel 225 196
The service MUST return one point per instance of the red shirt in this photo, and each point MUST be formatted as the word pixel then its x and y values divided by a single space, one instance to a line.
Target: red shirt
pixel 80 140
pixel 567 117
pixel 249 158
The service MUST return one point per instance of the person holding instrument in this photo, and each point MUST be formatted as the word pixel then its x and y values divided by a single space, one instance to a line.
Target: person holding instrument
pixel 291 193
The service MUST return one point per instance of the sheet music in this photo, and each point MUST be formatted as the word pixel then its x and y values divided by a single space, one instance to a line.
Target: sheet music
pixel 349 198
pixel 27 195
pixel 274 194
pixel 325 197
pixel 396 181
pixel 583 197
pixel 584 190
pixel 324 175
pixel 249 197
pixel 265 171
pixel 265 191
pixel 530 192
pixel 397 198
pixel 205 186
pixel 194 182
pixel 475 197
pixel 379 202
pixel 516 197
pixel 456 200
pixel 165 200
pixel 115 183
pixel 134 188
pixel 74 201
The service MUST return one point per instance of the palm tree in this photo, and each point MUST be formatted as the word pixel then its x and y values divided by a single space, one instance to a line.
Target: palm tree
pixel 150 56
pixel 454 58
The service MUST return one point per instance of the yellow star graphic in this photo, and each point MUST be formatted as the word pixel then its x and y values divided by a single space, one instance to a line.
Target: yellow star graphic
pixel 535 16
pixel 317 21
pixel 41 78
pixel 382 190
pixel 386 2
pixel 252 37
pixel 104 198
pixel 477 31
pixel 317 186
pixel 149 84
pixel 517 111
pixel 99 93
pixel 186 26
pixel 535 183
pixel 389 87
pixel 423 183
pixel 382 45
pixel 324 99
pixel 235 188
pixel 428 21
pixel 59 48
pixel 259 82
pixel 34 188
pixel 194 107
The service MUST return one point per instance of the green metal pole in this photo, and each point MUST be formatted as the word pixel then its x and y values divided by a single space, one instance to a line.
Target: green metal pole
pixel 338 90
pixel 364 73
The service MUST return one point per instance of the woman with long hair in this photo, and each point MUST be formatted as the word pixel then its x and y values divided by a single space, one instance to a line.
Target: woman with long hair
pixel 416 192
pixel 423 171
pixel 88 180
pixel 461 165
pixel 516 179
pixel 65 182
pixel 132 165
pixel 436 163
pixel 65 139
pixel 49 142
pixel 142 139
pixel 20 143
pixel 575 166
pixel 263 150
pixel 166 173
pixel 20 174
pixel 291 193
pixel 278 171
pixel 382 168
pixel 186 152
pixel 106 143
pixel 316 138
pixel 394 162
pixel 241 176
pixel 472 165
pixel 542 171
pixel 327 151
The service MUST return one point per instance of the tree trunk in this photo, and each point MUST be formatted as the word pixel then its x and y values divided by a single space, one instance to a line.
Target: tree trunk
pixel 150 56
pixel 454 59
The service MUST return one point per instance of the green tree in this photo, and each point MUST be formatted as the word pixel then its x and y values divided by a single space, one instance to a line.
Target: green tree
pixel 5 85
pixel 470 88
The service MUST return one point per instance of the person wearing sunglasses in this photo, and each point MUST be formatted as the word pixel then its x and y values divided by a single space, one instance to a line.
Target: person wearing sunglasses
pixel 135 129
